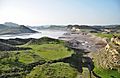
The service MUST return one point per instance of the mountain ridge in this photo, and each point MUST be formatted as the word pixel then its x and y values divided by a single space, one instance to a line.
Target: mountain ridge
pixel 13 28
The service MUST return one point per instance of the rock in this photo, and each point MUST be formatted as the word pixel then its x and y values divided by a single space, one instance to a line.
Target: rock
pixel 109 57
pixel 116 40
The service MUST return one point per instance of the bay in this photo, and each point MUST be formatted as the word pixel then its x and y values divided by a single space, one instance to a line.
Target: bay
pixel 41 33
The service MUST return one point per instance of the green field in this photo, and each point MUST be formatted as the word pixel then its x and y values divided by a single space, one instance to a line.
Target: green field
pixel 54 70
pixel 103 35
pixel 51 51
pixel 17 64
pixel 106 73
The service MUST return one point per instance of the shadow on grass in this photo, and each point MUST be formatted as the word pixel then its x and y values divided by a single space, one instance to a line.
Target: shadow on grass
pixel 78 60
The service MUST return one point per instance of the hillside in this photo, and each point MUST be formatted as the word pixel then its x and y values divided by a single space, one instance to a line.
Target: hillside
pixel 49 27
pixel 107 60
pixel 11 28
pixel 95 29
pixel 53 58
pixel 4 46
pixel 30 54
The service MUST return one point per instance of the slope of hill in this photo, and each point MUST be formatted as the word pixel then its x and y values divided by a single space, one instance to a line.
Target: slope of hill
pixel 20 62
pixel 16 41
pixel 11 28
pixel 50 27
pixel 8 47
pixel 107 60
pixel 10 24
pixel 100 28
pixel 44 40
pixel 2 26
pixel 4 46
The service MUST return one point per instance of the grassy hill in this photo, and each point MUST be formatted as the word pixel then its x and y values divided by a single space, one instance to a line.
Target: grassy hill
pixel 19 63
pixel 12 28
pixel 107 61
pixel 54 70
pixel 50 58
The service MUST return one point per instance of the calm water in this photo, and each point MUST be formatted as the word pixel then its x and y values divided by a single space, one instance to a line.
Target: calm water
pixel 47 33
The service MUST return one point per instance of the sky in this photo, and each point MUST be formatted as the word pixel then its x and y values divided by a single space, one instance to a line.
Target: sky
pixel 60 12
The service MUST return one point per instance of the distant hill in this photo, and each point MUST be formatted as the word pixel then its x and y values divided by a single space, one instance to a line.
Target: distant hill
pixel 10 24
pixel 3 26
pixel 12 28
pixel 100 28
pixel 56 27
pixel 50 27
pixel 94 27
pixel 84 27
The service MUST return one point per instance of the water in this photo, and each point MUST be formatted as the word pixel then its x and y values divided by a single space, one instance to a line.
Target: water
pixel 42 33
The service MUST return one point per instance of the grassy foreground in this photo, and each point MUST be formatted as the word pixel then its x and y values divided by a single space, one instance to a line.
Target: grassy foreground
pixel 19 63
pixel 106 73
pixel 54 70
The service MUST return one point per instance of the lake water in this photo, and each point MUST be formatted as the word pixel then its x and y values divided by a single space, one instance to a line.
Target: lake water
pixel 44 33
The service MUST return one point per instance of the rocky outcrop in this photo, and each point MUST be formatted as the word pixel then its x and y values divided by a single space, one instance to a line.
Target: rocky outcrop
pixel 109 57
pixel 116 40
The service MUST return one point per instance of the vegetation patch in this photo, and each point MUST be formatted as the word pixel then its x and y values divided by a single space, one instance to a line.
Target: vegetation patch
pixel 18 63
pixel 106 73
pixel 103 35
pixel 55 70
pixel 51 51
pixel 28 57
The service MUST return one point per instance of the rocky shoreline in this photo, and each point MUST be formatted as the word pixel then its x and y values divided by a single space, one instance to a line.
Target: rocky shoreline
pixel 86 41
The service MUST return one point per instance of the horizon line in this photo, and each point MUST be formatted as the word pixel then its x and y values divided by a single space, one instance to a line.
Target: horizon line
pixel 63 24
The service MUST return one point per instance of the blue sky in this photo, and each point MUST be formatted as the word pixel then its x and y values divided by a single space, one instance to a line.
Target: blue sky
pixel 46 12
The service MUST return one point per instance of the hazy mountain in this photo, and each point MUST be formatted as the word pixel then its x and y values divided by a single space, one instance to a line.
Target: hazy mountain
pixel 96 28
pixel 10 24
pixel 12 28
pixel 3 26
pixel 49 27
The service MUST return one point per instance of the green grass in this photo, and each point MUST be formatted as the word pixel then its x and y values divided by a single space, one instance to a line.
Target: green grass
pixel 28 57
pixel 54 70
pixel 107 73
pixel 13 62
pixel 9 62
pixel 43 52
pixel 103 35
pixel 51 51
